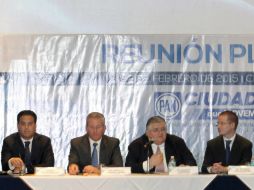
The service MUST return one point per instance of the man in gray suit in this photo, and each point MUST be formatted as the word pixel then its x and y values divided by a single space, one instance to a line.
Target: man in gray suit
pixel 94 148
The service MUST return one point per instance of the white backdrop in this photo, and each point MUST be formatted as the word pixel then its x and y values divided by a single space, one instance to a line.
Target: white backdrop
pixel 105 17
pixel 127 16
pixel 187 79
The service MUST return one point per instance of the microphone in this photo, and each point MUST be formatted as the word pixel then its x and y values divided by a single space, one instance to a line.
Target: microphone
pixel 146 146
pixel 149 143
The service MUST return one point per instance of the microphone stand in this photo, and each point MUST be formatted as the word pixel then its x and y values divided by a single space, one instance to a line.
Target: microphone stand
pixel 148 162
pixel 148 145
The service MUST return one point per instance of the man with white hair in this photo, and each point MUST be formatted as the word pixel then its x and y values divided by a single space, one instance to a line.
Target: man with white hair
pixel 159 146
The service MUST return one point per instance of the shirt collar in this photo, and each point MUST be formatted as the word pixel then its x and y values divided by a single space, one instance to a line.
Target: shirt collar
pixel 25 140
pixel 161 145
pixel 91 141
pixel 230 139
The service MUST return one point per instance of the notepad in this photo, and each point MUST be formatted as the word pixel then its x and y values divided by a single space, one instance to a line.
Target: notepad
pixel 184 170
pixel 112 171
pixel 49 171
pixel 237 170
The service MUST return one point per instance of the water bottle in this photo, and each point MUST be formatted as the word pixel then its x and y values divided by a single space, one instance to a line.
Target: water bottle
pixel 171 164
pixel 252 161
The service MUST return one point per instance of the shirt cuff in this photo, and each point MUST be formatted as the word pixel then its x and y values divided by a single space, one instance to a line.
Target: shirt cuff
pixel 209 169
pixel 145 166
pixel 10 165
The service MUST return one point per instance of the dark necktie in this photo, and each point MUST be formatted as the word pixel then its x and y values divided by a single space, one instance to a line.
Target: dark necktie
pixel 227 151
pixel 28 162
pixel 95 155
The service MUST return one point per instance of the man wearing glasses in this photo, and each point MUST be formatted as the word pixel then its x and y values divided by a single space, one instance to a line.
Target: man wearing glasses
pixel 155 148
pixel 94 148
pixel 228 148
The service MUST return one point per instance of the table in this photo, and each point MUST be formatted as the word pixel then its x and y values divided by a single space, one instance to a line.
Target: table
pixel 132 182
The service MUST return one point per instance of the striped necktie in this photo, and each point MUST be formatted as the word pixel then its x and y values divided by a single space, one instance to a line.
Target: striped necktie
pixel 160 167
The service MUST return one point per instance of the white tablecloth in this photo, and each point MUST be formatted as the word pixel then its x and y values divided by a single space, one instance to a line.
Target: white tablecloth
pixel 248 180
pixel 132 182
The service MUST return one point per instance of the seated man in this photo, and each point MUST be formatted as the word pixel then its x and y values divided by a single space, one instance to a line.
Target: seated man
pixel 228 148
pixel 159 146
pixel 26 149
pixel 94 148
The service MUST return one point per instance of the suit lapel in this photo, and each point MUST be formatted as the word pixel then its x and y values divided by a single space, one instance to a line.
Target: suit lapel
pixel 169 149
pixel 20 147
pixel 86 149
pixel 221 150
pixel 103 151
pixel 35 149
pixel 234 151
pixel 145 148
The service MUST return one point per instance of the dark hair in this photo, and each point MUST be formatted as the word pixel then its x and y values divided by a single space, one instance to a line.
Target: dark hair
pixel 26 112
pixel 155 119
pixel 95 115
pixel 232 117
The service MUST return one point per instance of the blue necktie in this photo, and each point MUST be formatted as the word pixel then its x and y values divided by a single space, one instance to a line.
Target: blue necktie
pixel 228 151
pixel 95 155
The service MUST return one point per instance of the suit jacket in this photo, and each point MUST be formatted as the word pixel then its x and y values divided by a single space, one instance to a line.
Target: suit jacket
pixel 80 152
pixel 241 152
pixel 41 153
pixel 174 146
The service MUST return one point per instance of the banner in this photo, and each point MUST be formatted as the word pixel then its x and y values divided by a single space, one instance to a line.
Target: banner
pixel 187 79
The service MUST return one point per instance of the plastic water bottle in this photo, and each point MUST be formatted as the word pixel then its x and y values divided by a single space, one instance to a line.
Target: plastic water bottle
pixel 252 161
pixel 171 164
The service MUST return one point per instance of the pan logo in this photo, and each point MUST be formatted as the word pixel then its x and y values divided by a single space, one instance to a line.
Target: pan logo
pixel 168 105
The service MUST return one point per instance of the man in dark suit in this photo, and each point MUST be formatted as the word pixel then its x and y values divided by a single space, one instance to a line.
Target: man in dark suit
pixel 228 148
pixel 159 146
pixel 26 148
pixel 94 148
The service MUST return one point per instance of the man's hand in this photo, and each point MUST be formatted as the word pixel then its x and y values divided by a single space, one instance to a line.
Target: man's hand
pixel 91 170
pixel 73 169
pixel 156 159
pixel 17 163
pixel 218 168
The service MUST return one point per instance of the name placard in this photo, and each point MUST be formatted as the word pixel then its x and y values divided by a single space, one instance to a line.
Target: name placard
pixel 237 170
pixel 113 171
pixel 49 171
pixel 184 170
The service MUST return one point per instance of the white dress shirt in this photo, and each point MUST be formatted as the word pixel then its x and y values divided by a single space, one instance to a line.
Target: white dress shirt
pixel 162 149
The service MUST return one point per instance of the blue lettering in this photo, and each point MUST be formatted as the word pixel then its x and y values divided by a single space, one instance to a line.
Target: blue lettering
pixel 217 55
pixel 189 98
pixel 240 53
pixel 169 55
pixel 109 51
pixel 168 106
pixel 224 98
pixel 237 99
pixel 249 100
pixel 189 52
pixel 250 58
pixel 178 53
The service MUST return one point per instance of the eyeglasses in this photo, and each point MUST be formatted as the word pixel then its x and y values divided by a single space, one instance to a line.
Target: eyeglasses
pixel 156 130
pixel 222 123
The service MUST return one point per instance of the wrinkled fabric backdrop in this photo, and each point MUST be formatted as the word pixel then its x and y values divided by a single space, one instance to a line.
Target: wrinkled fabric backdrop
pixel 187 79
